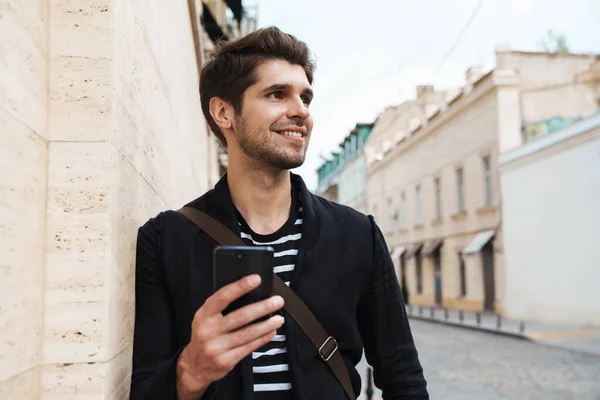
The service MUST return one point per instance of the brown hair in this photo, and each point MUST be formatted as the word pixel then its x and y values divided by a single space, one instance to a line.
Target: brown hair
pixel 231 68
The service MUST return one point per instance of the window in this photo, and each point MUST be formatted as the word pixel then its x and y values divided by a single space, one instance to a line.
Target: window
pixel 419 206
pixel 460 189
pixel 463 275
pixel 391 214
pixel 438 199
pixel 487 180
pixel 403 211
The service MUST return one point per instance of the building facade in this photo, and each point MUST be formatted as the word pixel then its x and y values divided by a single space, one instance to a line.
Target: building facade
pixel 101 128
pixel 394 123
pixel 327 177
pixel 437 192
pixel 343 178
pixel 352 177
pixel 551 222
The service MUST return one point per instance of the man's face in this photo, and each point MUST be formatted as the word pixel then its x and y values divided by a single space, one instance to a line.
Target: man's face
pixel 274 124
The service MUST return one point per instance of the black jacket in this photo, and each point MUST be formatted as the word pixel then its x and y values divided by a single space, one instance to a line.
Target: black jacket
pixel 343 273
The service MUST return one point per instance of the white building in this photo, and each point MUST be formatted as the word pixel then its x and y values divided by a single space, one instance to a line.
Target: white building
pixel 343 178
pixel 551 217
pixel 352 177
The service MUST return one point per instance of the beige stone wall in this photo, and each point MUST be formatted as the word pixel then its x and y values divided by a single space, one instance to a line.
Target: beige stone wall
pixel 331 193
pixel 427 295
pixel 396 122
pixel 388 123
pixel 460 137
pixel 103 130
pixel 23 160
pixel 550 83
pixel 569 101
pixel 485 120
pixel 459 142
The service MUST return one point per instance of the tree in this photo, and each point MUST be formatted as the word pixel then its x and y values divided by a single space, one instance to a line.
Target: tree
pixel 554 42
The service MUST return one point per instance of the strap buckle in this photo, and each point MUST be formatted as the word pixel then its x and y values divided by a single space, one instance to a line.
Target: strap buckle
pixel 325 356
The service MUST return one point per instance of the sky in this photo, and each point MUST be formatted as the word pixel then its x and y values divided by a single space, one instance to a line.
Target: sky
pixel 372 54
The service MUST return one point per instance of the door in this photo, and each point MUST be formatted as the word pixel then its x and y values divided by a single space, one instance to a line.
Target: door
pixel 403 285
pixel 487 254
pixel 419 272
pixel 437 265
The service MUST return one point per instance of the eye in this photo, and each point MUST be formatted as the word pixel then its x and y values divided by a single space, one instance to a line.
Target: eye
pixel 275 95
pixel 306 100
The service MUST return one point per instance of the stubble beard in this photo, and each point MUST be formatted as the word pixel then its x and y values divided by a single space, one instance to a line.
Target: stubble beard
pixel 253 144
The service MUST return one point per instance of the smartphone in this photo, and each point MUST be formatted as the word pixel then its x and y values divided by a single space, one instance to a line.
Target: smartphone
pixel 232 263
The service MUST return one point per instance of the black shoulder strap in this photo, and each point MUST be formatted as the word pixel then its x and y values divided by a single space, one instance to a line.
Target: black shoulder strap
pixel 326 345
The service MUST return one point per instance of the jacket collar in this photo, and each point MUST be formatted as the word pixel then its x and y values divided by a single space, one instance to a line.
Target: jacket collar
pixel 218 204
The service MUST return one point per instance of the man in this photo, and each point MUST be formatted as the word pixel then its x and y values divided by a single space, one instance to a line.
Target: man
pixel 256 94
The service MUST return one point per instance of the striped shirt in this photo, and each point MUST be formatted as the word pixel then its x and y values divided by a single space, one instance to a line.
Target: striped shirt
pixel 270 366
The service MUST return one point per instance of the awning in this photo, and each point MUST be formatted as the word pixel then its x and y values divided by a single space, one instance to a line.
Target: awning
pixel 414 249
pixel 431 246
pixel 480 240
pixel 397 253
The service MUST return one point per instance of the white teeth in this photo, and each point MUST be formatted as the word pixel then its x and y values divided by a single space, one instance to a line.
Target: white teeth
pixel 290 133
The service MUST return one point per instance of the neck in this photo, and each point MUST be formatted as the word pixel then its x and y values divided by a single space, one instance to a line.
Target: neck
pixel 262 196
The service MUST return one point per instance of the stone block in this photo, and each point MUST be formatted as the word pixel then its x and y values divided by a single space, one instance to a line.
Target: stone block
pixel 119 375
pixel 156 94
pixel 23 81
pixel 78 227
pixel 81 28
pixel 134 140
pixel 134 202
pixel 80 99
pixel 93 380
pixel 74 381
pixel 23 158
pixel 25 385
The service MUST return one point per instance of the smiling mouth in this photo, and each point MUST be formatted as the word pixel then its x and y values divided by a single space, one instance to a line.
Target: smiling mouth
pixel 291 133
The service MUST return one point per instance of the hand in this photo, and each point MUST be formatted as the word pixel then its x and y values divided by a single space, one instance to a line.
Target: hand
pixel 217 343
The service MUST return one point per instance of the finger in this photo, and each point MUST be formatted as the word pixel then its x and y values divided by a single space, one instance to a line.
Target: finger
pixel 221 299
pixel 227 342
pixel 235 355
pixel 249 313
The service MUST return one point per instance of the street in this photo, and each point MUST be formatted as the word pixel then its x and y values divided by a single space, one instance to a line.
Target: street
pixel 462 364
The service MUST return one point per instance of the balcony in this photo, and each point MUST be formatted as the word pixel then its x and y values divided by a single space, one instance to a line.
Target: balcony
pixel 214 20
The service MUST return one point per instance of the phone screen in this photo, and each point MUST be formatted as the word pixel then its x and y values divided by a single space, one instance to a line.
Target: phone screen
pixel 232 263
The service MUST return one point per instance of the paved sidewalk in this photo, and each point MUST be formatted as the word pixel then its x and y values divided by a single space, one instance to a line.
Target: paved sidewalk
pixel 362 369
pixel 578 338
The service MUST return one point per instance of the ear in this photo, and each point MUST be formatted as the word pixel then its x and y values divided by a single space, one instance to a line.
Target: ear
pixel 222 112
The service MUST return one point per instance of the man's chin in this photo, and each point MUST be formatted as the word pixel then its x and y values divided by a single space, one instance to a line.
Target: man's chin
pixel 288 163
pixel 280 161
pixel 289 166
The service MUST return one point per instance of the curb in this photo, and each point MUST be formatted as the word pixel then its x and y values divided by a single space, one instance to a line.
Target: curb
pixel 473 328
pixel 514 335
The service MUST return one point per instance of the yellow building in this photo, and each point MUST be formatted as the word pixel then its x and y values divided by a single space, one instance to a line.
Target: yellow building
pixel 433 184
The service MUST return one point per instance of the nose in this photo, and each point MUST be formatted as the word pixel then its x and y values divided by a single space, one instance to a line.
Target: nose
pixel 298 110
